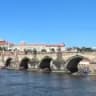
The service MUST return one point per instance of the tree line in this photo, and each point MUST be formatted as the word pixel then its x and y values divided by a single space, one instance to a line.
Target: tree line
pixel 82 49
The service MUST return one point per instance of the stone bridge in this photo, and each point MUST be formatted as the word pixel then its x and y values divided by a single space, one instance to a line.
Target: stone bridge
pixel 60 61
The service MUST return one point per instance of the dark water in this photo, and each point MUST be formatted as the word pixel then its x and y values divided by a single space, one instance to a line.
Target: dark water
pixel 20 83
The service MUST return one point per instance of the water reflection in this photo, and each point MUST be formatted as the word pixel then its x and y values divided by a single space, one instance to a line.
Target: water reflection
pixel 20 83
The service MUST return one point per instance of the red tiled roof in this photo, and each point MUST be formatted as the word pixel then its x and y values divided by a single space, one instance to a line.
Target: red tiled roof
pixel 47 45
pixel 5 43
pixel 55 45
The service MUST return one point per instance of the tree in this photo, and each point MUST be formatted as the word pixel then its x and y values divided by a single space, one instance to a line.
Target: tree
pixel 86 49
pixel 0 48
pixel 44 50
pixel 52 50
pixel 34 51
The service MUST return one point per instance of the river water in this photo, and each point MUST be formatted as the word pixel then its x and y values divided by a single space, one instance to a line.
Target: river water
pixel 22 83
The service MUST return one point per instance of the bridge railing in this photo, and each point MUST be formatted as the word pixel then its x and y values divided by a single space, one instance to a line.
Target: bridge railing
pixel 6 53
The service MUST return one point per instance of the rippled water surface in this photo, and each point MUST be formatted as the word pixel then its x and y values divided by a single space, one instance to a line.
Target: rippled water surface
pixel 20 83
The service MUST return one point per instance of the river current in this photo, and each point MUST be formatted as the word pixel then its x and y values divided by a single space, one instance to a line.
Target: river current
pixel 23 83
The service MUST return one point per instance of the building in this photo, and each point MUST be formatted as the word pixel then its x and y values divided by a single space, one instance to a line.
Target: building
pixel 22 46
pixel 38 47
pixel 5 44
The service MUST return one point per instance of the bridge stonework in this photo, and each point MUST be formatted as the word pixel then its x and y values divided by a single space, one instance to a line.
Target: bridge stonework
pixel 17 58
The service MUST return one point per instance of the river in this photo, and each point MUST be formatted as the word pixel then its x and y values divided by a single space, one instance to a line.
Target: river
pixel 22 83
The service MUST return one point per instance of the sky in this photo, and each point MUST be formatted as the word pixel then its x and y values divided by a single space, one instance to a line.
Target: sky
pixel 72 22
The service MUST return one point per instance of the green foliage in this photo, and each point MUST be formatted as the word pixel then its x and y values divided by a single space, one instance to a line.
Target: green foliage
pixel 43 50
pixel 84 49
pixel 34 51
pixel 3 49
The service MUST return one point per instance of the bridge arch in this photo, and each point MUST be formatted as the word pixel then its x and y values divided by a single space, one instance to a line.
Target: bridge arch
pixel 45 64
pixel 72 63
pixel 24 63
pixel 8 62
